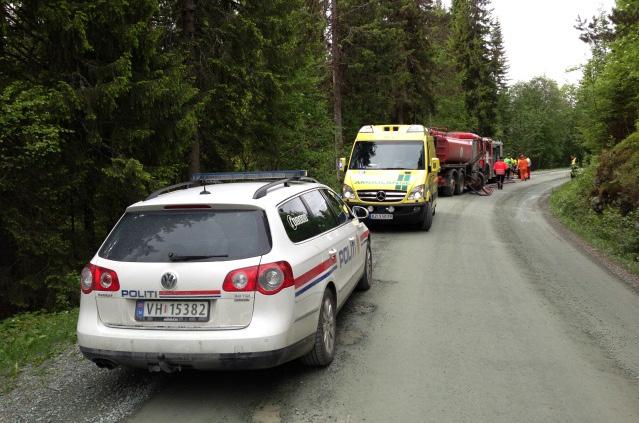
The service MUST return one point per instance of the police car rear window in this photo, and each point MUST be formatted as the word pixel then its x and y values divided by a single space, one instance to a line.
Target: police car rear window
pixel 188 235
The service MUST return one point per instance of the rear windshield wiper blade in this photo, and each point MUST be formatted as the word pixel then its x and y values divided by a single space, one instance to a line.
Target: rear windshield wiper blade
pixel 177 257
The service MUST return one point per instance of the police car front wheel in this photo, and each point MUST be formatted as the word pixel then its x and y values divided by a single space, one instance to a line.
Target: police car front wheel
pixel 364 283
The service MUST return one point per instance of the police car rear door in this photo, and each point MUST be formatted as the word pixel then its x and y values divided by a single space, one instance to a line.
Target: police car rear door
pixel 353 253
pixel 334 240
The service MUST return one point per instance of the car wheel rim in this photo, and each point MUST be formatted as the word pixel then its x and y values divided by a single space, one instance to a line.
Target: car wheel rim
pixel 328 325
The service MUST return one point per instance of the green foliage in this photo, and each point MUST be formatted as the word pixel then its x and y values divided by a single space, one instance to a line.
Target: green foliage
pixel 387 62
pixel 31 338
pixel 607 105
pixel 617 178
pixel 541 123
pixel 100 101
pixel 610 231
pixel 478 53
pixel 86 94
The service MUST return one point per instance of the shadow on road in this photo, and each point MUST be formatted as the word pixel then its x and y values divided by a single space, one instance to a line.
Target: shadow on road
pixel 236 395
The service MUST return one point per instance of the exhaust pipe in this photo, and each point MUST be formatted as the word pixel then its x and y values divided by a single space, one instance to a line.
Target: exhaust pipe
pixel 163 366
pixel 105 363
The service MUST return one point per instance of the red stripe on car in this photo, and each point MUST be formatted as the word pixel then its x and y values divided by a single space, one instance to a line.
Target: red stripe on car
pixel 190 292
pixel 308 276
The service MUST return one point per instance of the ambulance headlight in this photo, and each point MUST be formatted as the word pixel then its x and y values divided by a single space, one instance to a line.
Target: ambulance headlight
pixel 416 193
pixel 347 192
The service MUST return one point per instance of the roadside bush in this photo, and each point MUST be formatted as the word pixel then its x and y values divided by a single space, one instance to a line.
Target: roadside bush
pixel 610 229
pixel 617 179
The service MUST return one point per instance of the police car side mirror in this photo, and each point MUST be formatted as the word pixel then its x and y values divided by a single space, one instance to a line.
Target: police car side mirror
pixel 360 212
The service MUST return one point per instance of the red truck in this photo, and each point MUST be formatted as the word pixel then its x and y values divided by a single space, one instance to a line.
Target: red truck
pixel 466 160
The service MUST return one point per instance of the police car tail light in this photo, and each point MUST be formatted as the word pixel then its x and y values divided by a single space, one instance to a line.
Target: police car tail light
pixel 240 280
pixel 98 278
pixel 274 277
pixel 268 278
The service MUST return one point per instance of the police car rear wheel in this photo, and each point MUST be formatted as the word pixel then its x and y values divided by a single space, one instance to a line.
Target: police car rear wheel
pixel 324 346
pixel 364 283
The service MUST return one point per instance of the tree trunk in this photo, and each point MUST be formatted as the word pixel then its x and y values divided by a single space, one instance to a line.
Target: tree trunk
pixel 188 28
pixel 337 83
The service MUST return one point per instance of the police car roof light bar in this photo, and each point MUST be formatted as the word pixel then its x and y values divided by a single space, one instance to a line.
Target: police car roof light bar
pixel 202 179
pixel 247 176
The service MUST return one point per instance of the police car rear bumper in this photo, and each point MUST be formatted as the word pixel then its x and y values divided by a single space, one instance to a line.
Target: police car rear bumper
pixel 155 361
pixel 267 341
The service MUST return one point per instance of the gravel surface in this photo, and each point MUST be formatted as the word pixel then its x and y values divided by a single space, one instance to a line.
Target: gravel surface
pixel 70 388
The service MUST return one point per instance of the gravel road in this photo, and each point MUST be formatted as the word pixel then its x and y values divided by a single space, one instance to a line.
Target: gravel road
pixel 492 316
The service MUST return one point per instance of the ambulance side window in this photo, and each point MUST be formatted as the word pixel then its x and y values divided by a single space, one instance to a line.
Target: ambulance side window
pixel 297 221
pixel 321 214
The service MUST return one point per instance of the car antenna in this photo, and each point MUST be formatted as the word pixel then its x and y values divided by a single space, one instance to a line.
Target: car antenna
pixel 204 191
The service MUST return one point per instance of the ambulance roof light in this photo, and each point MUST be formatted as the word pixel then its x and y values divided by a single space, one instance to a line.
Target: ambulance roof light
pixel 366 129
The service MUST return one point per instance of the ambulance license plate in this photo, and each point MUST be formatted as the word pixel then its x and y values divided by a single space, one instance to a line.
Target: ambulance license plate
pixel 381 216
pixel 172 311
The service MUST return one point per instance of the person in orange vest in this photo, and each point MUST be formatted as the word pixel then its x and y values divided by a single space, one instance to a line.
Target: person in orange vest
pixel 522 164
pixel 500 171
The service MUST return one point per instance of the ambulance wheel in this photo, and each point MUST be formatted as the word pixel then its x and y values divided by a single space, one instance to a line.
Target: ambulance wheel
pixel 364 283
pixel 427 221
pixel 323 350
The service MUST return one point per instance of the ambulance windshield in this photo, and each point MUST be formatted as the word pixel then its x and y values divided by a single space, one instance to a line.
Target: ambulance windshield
pixel 388 155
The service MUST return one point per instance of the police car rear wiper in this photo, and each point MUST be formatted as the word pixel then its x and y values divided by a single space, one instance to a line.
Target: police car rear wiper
pixel 176 257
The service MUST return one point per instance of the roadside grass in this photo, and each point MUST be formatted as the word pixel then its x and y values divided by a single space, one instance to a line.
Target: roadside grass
pixel 615 235
pixel 31 338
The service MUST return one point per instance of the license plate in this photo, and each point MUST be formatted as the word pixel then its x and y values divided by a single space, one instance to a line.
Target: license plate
pixel 172 311
pixel 381 216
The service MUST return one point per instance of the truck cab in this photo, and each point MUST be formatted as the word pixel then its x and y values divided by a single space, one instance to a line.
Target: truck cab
pixel 392 172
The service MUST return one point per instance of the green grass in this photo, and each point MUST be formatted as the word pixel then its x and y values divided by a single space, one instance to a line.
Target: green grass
pixel 615 235
pixel 31 338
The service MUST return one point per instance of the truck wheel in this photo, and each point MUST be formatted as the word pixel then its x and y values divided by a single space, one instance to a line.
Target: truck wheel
pixel 364 283
pixel 427 222
pixel 449 189
pixel 323 350
pixel 460 186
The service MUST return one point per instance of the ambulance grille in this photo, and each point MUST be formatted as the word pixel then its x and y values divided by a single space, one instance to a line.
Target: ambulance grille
pixel 381 196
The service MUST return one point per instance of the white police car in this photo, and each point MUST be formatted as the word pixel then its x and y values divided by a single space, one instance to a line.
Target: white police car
pixel 224 275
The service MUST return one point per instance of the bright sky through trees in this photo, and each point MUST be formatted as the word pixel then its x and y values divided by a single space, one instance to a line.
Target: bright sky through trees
pixel 540 38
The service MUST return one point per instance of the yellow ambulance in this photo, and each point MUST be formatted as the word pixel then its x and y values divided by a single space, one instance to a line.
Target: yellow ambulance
pixel 392 172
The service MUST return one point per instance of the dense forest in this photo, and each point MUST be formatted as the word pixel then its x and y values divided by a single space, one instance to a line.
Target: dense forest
pixel 103 101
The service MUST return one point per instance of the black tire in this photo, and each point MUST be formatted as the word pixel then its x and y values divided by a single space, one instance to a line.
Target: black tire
pixel 449 189
pixel 460 186
pixel 323 350
pixel 364 283
pixel 427 221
